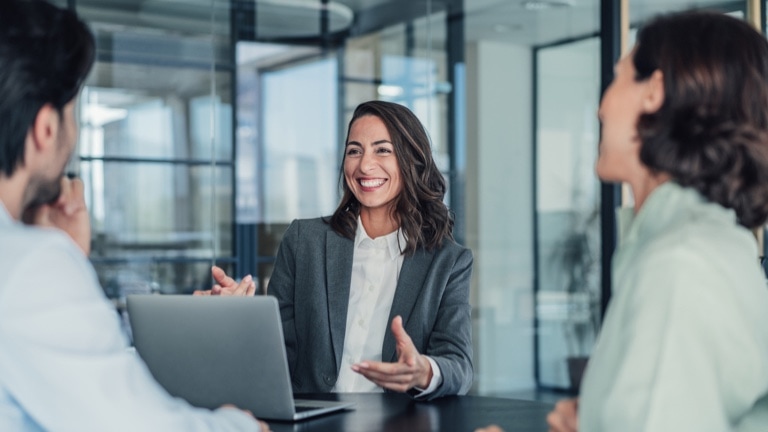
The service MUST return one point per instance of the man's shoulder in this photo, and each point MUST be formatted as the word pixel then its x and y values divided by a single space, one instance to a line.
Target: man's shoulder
pixel 22 238
pixel 22 243
pixel 41 264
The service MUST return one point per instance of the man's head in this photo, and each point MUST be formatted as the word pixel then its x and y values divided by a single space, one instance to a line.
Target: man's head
pixel 45 55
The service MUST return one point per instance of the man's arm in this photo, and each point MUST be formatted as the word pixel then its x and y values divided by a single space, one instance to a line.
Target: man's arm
pixel 65 359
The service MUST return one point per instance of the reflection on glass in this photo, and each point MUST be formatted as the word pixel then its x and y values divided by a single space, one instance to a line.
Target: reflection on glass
pixel 120 279
pixel 145 210
pixel 155 149
pixel 300 140
pixel 567 208
pixel 293 106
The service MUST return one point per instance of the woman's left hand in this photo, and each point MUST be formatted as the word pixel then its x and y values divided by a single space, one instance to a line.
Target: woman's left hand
pixel 411 369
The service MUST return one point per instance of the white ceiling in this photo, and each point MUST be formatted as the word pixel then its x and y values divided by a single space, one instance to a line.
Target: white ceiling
pixel 531 22
pixel 517 22
pixel 513 21
pixel 150 21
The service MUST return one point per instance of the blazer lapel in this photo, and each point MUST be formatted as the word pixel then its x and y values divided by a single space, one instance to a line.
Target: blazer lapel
pixel 409 286
pixel 338 271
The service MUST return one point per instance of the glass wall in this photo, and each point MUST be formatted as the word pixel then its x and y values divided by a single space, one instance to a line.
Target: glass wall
pixel 156 149
pixel 295 97
pixel 208 126
pixel 567 209
pixel 287 140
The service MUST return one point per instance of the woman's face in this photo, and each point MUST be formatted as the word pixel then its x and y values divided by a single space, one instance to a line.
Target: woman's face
pixel 622 104
pixel 370 165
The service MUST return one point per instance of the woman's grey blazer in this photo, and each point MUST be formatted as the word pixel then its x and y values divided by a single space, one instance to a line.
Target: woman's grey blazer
pixel 311 281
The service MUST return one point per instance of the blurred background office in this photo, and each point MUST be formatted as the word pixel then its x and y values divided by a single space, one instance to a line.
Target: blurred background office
pixel 208 125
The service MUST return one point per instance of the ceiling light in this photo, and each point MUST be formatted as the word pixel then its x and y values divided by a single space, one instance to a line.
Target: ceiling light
pixel 387 90
pixel 537 5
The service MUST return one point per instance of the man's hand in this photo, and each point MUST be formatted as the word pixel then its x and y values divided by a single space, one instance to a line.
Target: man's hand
pixel 226 286
pixel 564 418
pixel 411 370
pixel 68 213
pixel 263 425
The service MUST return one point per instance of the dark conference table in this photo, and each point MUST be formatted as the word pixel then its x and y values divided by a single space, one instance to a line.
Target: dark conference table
pixel 394 412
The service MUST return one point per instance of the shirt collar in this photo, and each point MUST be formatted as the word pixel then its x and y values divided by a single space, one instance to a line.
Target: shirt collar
pixel 393 242
pixel 664 207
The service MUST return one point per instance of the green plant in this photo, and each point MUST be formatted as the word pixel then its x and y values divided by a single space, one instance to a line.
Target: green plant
pixel 577 255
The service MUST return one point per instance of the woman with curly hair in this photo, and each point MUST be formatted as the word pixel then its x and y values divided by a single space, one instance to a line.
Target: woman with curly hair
pixel 376 297
pixel 684 344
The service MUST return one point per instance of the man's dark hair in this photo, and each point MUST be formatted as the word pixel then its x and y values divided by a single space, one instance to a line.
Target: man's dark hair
pixel 711 132
pixel 419 208
pixel 45 55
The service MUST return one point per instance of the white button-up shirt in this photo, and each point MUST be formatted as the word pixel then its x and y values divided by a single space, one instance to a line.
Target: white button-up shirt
pixel 376 265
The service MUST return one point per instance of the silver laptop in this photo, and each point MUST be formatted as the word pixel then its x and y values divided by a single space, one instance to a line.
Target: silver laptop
pixel 212 351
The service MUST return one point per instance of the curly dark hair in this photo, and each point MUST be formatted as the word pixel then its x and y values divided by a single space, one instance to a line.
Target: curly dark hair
pixel 45 55
pixel 424 218
pixel 711 132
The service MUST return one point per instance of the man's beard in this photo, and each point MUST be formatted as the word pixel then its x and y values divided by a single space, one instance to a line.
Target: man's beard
pixel 47 192
pixel 43 192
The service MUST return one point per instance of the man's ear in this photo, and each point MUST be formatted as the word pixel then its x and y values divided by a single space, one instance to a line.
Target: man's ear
pixel 654 95
pixel 45 129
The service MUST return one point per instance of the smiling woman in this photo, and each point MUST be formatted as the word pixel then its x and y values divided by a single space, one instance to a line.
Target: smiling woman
pixel 386 259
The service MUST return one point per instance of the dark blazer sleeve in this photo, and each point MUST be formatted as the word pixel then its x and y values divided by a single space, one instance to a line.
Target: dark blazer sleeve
pixel 281 285
pixel 307 287
pixel 450 342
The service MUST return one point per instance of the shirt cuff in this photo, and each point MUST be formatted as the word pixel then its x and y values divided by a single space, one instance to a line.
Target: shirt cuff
pixel 437 379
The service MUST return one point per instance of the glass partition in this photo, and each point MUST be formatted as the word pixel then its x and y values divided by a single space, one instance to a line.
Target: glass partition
pixel 567 208
pixel 208 126
pixel 156 148
pixel 295 97
pixel 179 177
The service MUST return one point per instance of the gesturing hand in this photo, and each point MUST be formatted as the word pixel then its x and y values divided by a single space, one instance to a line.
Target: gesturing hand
pixel 564 418
pixel 68 213
pixel 226 286
pixel 411 369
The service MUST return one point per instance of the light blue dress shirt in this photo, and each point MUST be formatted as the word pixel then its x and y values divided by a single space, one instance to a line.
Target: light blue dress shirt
pixel 64 363
pixel 684 345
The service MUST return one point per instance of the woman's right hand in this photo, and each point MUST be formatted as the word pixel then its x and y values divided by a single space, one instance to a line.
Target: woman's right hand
pixel 226 286
pixel 564 418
